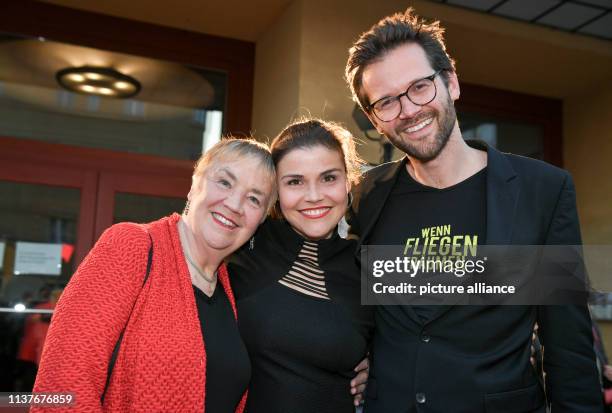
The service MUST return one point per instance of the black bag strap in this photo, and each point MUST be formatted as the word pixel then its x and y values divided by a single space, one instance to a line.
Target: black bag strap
pixel 115 353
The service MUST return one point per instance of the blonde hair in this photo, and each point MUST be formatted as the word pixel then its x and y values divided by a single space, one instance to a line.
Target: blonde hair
pixel 231 148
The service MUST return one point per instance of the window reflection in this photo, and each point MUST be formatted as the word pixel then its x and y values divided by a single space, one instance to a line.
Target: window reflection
pixel 520 138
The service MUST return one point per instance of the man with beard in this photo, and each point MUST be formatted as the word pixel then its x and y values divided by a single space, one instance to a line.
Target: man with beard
pixel 459 358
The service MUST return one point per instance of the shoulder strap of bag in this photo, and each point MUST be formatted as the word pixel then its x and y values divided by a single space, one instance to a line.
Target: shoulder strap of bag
pixel 115 353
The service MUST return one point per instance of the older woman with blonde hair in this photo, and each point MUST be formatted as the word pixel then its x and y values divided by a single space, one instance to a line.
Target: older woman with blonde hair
pixel 143 325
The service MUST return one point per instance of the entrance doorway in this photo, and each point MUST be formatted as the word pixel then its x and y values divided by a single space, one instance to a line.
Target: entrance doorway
pixel 56 201
pixel 74 163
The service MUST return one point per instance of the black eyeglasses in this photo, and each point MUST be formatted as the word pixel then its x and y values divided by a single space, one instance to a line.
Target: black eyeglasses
pixel 420 92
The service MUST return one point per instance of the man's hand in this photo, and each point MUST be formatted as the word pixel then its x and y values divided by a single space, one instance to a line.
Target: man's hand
pixel 607 372
pixel 358 384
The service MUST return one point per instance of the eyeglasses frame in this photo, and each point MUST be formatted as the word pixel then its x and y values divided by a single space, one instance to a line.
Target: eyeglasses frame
pixel 431 78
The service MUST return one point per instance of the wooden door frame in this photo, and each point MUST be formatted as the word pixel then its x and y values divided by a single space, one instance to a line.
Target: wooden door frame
pixel 16 168
pixel 141 184
pixel 99 173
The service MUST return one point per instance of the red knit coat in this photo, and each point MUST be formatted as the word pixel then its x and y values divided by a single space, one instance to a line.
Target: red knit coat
pixel 161 365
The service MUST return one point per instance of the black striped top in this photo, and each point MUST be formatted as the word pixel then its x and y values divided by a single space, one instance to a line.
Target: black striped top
pixel 305 275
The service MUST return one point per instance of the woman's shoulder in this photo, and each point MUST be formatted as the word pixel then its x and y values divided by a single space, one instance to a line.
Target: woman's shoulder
pixel 338 249
pixel 124 233
pixel 123 243
pixel 139 234
pixel 126 229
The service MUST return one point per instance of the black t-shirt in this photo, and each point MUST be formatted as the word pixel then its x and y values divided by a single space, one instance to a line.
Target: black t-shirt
pixel 414 213
pixel 228 368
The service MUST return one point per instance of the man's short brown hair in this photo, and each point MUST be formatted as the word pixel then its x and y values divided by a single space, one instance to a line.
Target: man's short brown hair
pixel 388 34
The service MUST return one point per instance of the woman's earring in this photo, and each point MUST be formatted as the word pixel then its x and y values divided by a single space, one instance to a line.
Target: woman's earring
pixel 350 199
pixel 186 210
pixel 252 243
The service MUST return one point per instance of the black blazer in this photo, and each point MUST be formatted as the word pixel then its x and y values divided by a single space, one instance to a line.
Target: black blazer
pixel 474 358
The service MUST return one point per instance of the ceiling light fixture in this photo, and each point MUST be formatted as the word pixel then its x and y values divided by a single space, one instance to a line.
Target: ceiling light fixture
pixel 101 81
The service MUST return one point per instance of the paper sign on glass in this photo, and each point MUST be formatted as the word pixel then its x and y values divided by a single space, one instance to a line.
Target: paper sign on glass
pixel 38 258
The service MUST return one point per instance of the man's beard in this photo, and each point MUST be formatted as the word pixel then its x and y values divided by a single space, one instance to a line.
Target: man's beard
pixel 426 150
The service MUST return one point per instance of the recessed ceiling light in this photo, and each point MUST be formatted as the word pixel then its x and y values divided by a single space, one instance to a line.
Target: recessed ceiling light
pixel 75 77
pixel 123 85
pixel 93 76
pixel 106 91
pixel 103 81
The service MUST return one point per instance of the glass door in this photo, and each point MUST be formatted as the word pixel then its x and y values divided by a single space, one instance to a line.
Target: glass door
pixel 55 201
pixel 46 222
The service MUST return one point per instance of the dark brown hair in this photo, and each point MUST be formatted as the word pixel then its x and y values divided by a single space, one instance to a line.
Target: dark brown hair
pixel 308 133
pixel 390 33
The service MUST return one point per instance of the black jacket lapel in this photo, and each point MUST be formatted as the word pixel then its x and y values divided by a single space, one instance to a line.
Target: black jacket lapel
pixel 377 198
pixel 503 190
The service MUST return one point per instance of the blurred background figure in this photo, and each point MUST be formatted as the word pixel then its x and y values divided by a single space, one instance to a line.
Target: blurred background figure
pixel 34 334
pixel 603 365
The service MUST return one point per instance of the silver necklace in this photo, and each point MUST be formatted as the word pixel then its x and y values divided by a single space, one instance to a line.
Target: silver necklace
pixel 194 265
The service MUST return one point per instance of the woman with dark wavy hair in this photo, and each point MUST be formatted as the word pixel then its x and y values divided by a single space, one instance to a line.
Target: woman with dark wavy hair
pixel 297 282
